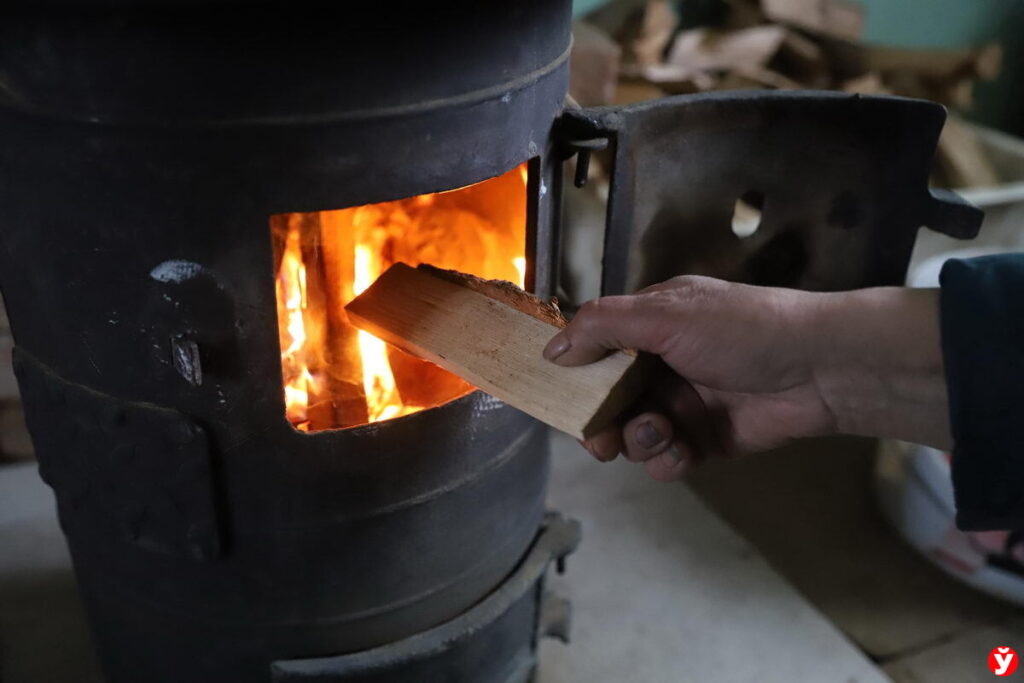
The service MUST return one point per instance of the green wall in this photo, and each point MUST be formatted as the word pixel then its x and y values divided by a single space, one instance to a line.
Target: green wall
pixel 935 23
pixel 955 23
pixel 583 6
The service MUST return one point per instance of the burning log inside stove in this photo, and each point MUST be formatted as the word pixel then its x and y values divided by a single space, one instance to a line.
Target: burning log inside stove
pixel 319 361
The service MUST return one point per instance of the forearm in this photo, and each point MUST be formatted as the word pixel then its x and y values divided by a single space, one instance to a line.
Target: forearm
pixel 878 364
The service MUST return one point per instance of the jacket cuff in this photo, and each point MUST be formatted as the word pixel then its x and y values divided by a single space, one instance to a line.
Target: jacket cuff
pixel 982 324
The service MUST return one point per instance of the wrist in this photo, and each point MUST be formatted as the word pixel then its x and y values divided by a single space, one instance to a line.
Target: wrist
pixel 877 363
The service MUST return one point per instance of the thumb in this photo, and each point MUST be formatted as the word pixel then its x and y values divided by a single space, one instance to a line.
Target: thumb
pixel 609 323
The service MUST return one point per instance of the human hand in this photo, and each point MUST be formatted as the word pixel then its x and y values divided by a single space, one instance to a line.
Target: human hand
pixel 756 367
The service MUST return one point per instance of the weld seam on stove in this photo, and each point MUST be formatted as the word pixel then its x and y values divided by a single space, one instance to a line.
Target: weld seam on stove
pixel 393 111
pixel 114 588
pixel 419 499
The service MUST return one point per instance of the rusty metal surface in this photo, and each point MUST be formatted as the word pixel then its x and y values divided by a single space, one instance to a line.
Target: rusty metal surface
pixel 841 181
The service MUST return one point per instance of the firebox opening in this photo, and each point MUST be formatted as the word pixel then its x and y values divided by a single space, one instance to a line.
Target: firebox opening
pixel 336 376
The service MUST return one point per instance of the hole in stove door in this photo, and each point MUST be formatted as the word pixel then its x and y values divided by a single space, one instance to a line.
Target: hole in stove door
pixel 336 376
pixel 746 215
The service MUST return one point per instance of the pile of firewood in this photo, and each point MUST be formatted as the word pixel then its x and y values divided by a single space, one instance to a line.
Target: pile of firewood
pixel 631 50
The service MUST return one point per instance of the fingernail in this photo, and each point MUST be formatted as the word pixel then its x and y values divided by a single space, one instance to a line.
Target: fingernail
pixel 647 436
pixel 673 453
pixel 556 347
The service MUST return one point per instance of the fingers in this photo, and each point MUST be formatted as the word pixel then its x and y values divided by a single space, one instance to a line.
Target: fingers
pixel 650 439
pixel 672 283
pixel 645 321
pixel 640 439
pixel 672 461
pixel 646 436
pixel 614 322
pixel 670 436
pixel 671 465
pixel 606 445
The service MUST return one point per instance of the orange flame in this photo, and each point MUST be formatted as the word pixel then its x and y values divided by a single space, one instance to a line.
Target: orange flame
pixel 292 302
pixel 382 399
pixel 337 376
pixel 520 263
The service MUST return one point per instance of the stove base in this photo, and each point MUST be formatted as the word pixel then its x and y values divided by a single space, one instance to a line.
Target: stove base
pixel 493 642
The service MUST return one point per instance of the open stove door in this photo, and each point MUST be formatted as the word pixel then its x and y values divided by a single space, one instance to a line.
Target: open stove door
pixel 833 187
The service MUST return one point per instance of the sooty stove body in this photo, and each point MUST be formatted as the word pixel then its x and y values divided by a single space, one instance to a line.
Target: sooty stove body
pixel 147 149
pixel 142 150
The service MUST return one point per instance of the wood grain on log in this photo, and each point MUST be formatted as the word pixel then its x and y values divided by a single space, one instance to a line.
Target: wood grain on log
pixel 492 334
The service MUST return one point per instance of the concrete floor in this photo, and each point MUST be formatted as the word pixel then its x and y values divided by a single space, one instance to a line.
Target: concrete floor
pixel 43 635
pixel 810 509
pixel 662 591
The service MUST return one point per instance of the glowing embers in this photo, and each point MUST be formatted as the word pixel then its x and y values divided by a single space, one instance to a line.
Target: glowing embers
pixel 336 376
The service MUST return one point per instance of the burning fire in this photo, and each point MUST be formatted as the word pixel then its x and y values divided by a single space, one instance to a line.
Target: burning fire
pixel 520 263
pixel 291 302
pixel 382 399
pixel 337 376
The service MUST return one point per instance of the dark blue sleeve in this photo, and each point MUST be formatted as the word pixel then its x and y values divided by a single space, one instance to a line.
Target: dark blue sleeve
pixel 982 308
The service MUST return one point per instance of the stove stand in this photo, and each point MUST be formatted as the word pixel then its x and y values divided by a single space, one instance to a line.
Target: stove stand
pixel 496 640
